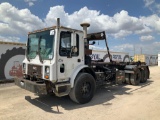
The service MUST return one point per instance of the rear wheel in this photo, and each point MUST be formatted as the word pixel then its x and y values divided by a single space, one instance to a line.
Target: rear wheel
pixel 144 73
pixel 136 77
pixel 84 88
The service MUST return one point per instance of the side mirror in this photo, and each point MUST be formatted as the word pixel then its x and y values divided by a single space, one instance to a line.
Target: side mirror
pixel 73 39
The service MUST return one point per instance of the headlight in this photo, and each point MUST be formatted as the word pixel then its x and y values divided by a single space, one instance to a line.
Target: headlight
pixel 47 70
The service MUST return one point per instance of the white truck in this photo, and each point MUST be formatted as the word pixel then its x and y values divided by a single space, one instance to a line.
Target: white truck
pixel 57 61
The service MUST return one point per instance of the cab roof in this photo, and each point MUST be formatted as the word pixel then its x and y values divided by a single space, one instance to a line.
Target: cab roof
pixel 54 27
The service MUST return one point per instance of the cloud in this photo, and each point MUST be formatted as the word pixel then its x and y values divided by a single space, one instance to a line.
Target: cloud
pixel 147 30
pixel 17 22
pixel 158 6
pixel 119 25
pixel 56 12
pixel 14 21
pixel 146 38
pixel 148 2
pixel 93 47
pixel 152 21
pixel 9 39
pixel 153 6
pixel 122 34
pixel 30 2
pixel 151 49
pixel 123 47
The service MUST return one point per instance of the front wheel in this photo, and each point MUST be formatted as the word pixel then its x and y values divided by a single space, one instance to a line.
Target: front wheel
pixel 84 88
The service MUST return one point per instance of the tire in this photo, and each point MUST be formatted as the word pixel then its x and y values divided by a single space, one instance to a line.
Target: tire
pixel 136 77
pixel 144 73
pixel 5 57
pixel 127 78
pixel 84 88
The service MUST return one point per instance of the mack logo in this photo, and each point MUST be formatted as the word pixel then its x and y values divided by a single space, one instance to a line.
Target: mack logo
pixel 34 68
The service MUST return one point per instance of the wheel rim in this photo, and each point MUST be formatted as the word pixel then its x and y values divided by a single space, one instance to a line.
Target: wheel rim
pixel 86 89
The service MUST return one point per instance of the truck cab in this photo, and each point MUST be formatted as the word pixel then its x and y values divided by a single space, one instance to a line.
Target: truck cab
pixel 54 56
pixel 52 51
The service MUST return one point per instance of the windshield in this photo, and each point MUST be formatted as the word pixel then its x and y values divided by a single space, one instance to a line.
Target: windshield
pixel 41 43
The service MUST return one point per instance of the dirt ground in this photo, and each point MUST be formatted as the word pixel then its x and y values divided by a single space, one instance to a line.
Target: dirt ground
pixel 123 102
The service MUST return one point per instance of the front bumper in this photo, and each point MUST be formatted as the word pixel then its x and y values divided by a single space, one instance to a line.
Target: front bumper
pixel 38 88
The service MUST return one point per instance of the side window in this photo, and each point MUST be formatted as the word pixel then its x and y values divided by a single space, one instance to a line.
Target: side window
pixel 65 44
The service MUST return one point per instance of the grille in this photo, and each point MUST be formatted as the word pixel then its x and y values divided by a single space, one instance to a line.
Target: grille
pixel 35 70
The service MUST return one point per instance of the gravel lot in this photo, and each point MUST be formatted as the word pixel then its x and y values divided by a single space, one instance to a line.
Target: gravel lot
pixel 123 102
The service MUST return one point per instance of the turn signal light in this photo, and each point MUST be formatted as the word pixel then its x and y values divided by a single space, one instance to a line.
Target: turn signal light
pixel 46 76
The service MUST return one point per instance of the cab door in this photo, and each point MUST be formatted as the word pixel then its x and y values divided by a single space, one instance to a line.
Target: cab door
pixel 67 59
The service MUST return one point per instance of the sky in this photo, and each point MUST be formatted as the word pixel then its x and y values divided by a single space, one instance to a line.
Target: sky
pixel 131 26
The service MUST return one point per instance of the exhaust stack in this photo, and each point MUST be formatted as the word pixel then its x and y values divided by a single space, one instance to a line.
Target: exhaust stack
pixel 58 23
pixel 85 25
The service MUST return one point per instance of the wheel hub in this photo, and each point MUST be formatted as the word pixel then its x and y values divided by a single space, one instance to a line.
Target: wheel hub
pixel 85 88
